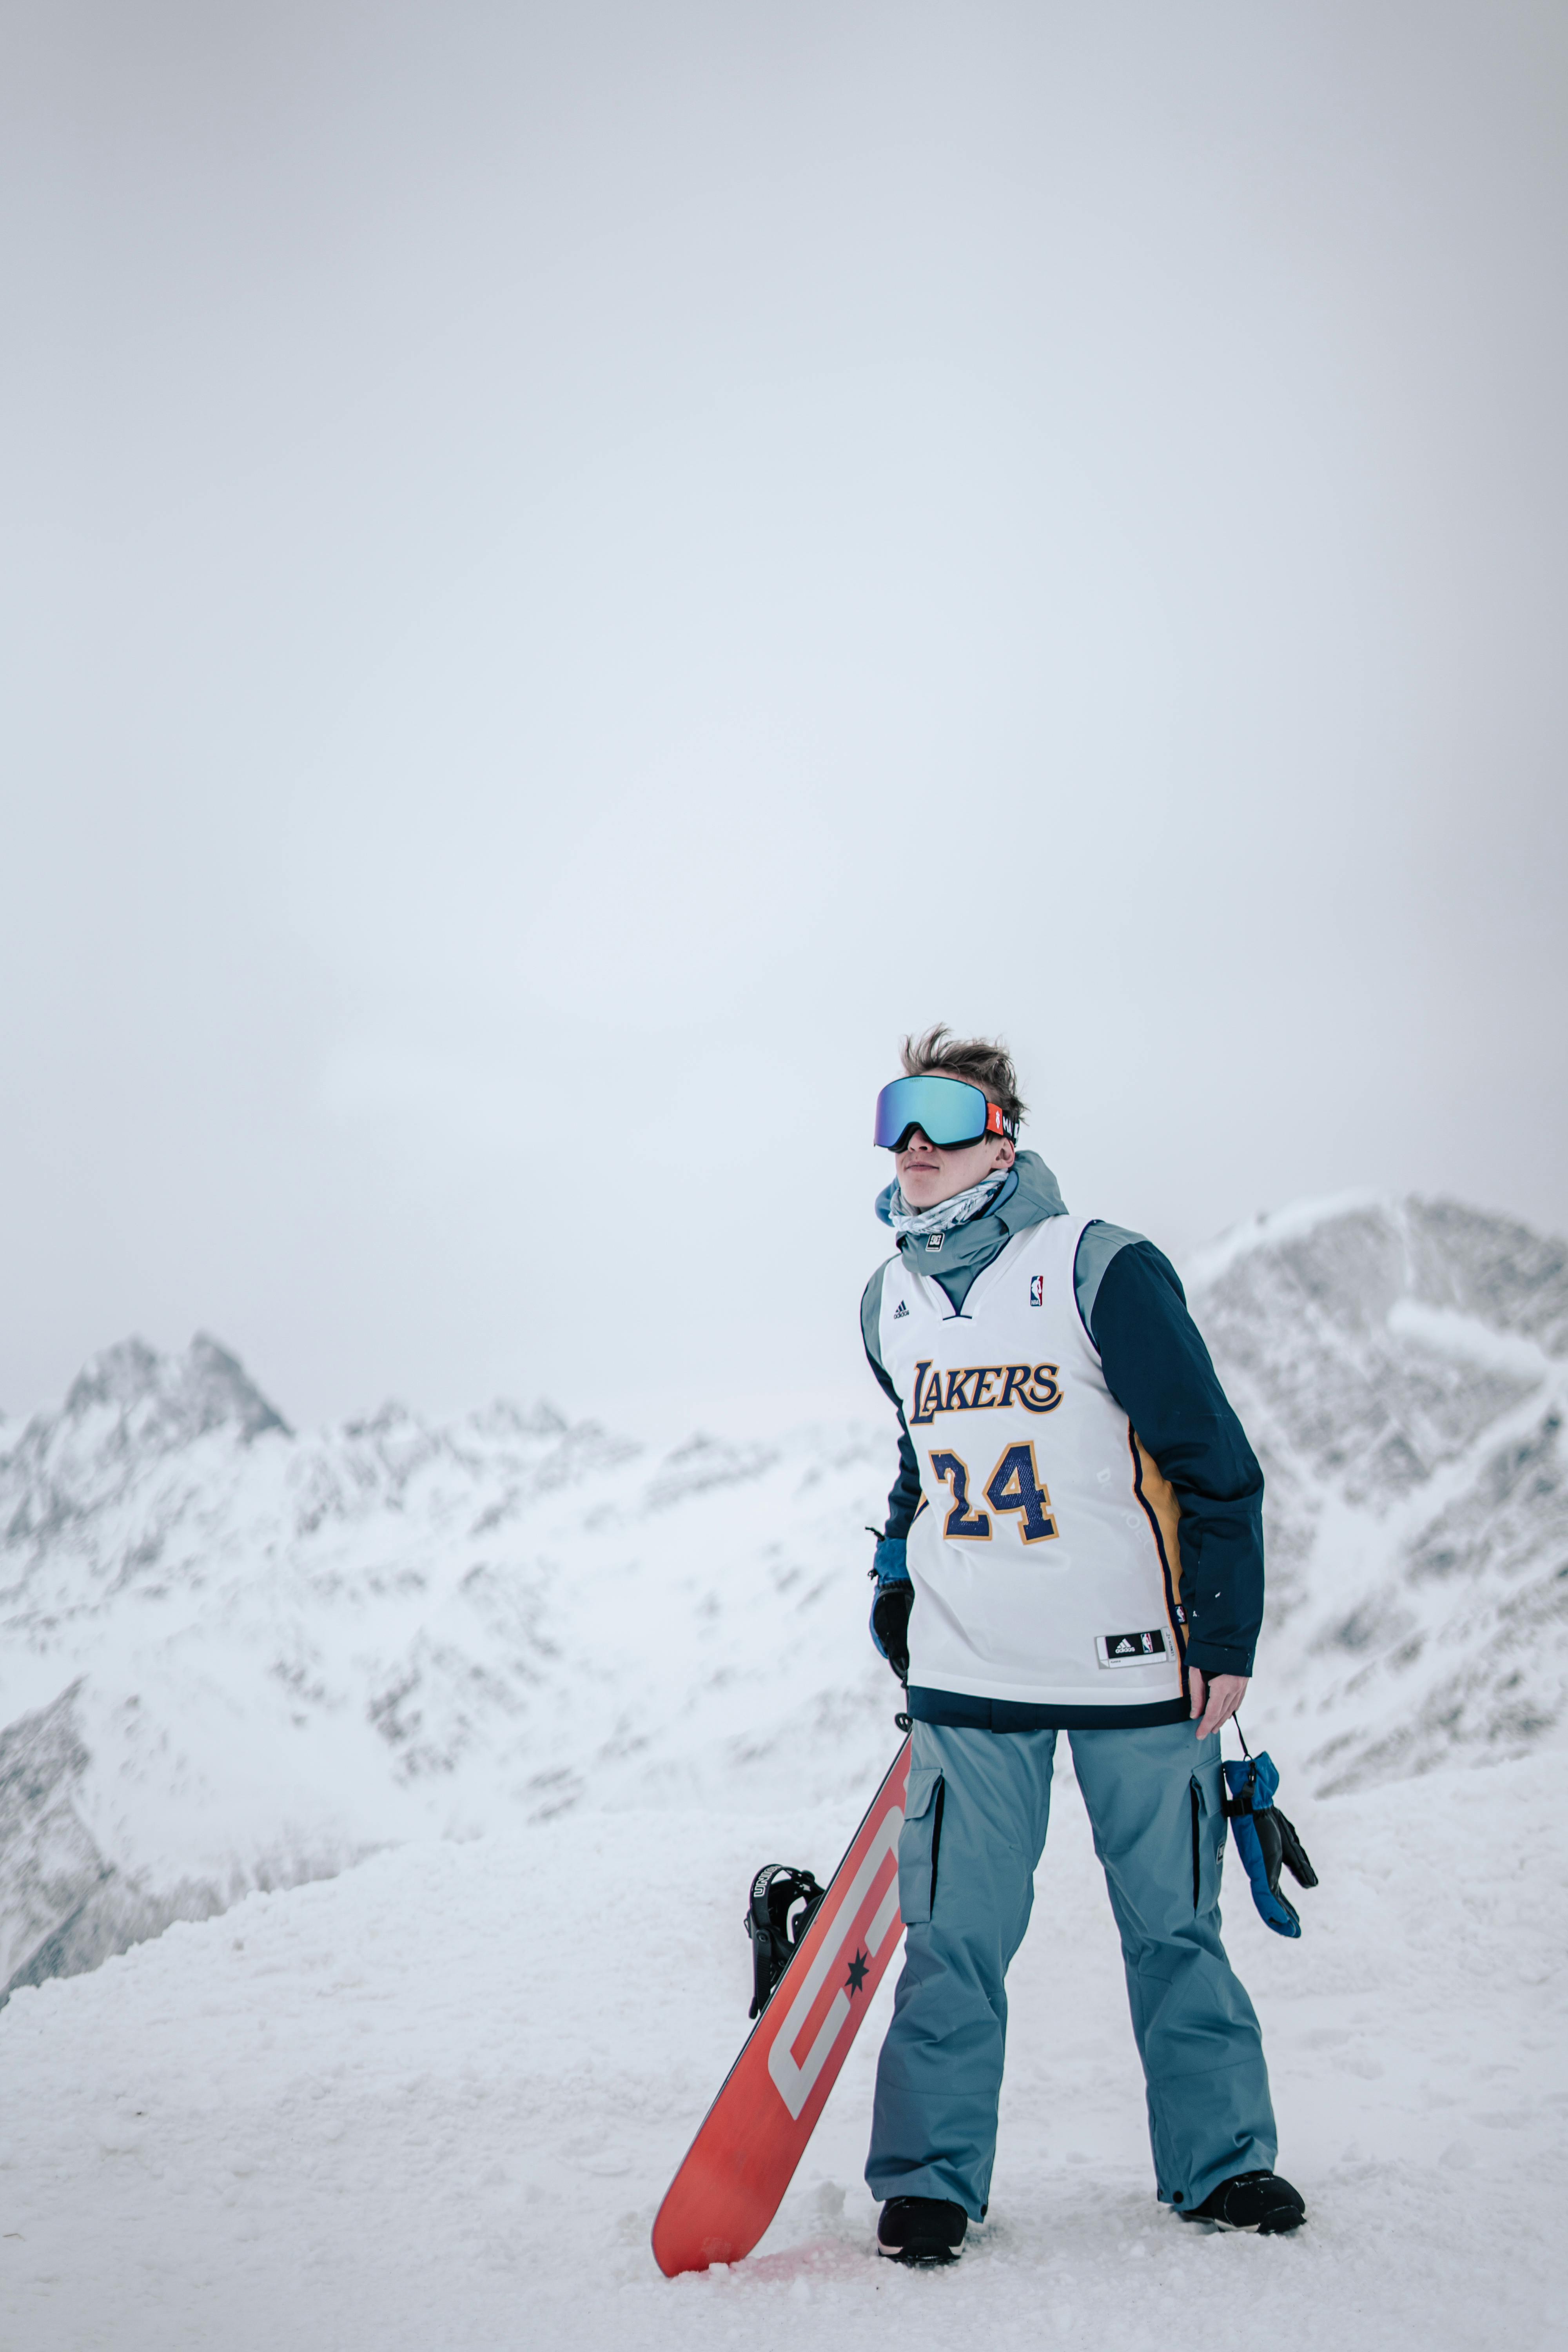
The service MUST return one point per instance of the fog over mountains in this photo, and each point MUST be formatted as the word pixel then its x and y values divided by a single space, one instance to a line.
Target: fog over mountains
pixel 233 1655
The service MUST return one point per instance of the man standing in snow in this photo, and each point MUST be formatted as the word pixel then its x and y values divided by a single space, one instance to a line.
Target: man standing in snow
pixel 1074 1542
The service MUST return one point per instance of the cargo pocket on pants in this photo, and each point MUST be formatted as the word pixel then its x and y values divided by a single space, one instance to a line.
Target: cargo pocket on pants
pixel 920 1845
pixel 1204 1826
pixel 1195 1796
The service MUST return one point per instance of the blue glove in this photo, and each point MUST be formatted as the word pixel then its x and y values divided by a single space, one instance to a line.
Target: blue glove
pixel 1266 1841
pixel 892 1604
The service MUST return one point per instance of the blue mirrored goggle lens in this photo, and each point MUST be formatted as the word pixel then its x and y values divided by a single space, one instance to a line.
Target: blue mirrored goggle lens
pixel 948 1112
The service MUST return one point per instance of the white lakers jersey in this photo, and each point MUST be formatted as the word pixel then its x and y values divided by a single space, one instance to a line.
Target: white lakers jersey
pixel 1044 1552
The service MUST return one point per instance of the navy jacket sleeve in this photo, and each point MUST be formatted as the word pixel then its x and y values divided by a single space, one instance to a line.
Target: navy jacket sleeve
pixel 904 1497
pixel 904 1500
pixel 1159 1372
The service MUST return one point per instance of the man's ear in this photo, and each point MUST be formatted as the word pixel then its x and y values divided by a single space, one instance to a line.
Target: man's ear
pixel 1005 1154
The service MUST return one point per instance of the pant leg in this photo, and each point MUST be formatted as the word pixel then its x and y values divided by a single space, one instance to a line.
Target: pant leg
pixel 1153 1800
pixel 974 1829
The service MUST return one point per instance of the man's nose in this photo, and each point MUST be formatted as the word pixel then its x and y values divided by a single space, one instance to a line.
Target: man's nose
pixel 919 1135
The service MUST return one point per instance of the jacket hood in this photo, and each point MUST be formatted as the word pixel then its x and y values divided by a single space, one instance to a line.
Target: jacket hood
pixel 1029 1196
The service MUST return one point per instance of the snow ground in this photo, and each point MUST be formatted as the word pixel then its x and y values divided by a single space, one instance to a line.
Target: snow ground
pixel 433 2103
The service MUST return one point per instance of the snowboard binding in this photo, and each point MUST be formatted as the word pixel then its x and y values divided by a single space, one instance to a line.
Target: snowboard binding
pixel 775 1891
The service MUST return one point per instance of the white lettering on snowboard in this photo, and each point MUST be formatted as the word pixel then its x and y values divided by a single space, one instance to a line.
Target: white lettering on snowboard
pixel 793 2083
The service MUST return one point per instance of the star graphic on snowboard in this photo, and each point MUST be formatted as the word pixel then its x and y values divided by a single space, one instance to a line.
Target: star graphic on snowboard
pixel 856 1980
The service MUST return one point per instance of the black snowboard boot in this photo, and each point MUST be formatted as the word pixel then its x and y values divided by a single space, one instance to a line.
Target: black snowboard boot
pixel 1253 2200
pixel 921 2229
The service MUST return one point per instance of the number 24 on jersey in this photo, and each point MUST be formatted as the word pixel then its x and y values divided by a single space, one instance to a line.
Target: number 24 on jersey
pixel 1014 1486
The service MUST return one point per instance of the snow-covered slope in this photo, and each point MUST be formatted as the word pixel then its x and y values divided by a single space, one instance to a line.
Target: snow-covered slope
pixel 235 1657
pixel 436 2104
pixel 1401 1368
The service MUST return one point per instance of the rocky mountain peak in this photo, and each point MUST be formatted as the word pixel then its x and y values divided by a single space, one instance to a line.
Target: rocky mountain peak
pixel 129 1410
pixel 1490 1267
pixel 178 1397
pixel 1352 1261
pixel 1377 1340
pixel 1399 1367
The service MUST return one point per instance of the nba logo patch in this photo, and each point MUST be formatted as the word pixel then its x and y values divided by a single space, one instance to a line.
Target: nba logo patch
pixel 1037 1290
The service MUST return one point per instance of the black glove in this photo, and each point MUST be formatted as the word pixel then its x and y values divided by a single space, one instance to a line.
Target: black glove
pixel 1281 1846
pixel 891 1623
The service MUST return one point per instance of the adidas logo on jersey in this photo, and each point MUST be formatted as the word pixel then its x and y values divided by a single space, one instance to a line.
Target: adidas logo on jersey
pixel 1130 1649
pixel 901 1308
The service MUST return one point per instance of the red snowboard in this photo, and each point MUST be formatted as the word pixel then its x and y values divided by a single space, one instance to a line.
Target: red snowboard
pixel 754 2134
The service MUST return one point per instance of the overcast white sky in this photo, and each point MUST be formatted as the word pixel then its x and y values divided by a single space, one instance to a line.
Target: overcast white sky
pixel 574 570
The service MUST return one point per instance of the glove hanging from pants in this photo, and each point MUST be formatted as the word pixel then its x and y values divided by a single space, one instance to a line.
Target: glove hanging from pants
pixel 1265 1840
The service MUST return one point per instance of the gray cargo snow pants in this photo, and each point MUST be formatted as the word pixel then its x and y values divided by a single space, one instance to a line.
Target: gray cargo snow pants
pixel 975 1829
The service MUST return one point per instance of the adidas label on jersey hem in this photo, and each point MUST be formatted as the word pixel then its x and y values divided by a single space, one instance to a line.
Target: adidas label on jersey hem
pixel 1130 1649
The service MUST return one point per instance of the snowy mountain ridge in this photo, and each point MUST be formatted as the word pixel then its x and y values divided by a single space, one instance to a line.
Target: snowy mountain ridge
pixel 1401 1368
pixel 233 1655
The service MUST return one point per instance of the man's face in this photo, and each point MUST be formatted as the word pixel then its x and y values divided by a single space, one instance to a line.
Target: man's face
pixel 927 1173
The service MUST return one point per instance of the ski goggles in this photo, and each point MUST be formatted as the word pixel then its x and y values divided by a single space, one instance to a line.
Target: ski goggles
pixel 948 1111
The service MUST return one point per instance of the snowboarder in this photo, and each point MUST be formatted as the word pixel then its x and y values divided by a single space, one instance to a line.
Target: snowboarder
pixel 1073 1543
